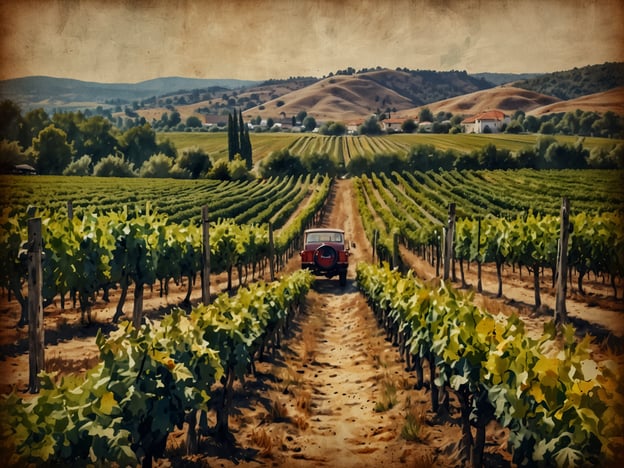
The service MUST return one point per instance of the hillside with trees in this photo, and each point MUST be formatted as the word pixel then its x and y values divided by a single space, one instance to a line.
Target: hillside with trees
pixel 572 84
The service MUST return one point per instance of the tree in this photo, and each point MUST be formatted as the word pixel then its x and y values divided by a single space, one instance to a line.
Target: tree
pixel 81 167
pixel 301 116
pixel 114 166
pixel 245 143
pixel 233 138
pixel 566 156
pixel 467 161
pixel 69 122
pixel 193 122
pixel 167 147
pixel 35 121
pixel 527 158
pixel 569 124
pixel 220 171
pixel 409 126
pixel 586 123
pixel 195 161
pixel 358 165
pixel 420 157
pixel 139 144
pixel 238 169
pixel 492 158
pixel 541 146
pixel 157 166
pixel 547 128
pixel 164 120
pixel 333 128
pixel 387 163
pixel 175 119
pixel 514 127
pixel 599 158
pixel 370 126
pixel 52 152
pixel 281 163
pixel 309 123
pixel 531 124
pixel 11 154
pixel 425 115
pixel 95 138
pixel 609 125
pixel 11 122
pixel 320 163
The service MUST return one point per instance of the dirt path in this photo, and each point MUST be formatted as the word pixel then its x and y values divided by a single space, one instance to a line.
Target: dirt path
pixel 343 368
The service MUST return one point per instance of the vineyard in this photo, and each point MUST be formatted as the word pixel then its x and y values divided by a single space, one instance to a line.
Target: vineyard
pixel 159 378
pixel 91 247
pixel 343 148
pixel 503 218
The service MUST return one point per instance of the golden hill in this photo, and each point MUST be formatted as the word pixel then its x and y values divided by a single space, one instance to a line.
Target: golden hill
pixel 612 100
pixel 505 98
pixel 338 98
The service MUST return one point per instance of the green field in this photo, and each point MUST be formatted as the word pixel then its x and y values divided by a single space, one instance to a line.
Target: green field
pixel 215 144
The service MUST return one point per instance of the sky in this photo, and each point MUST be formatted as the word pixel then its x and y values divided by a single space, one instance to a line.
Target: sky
pixel 127 41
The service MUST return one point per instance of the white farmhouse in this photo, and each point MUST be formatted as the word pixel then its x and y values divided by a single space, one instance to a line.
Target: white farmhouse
pixel 489 121
pixel 392 125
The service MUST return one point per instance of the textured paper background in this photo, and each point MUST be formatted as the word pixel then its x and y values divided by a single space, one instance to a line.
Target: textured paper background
pixel 129 41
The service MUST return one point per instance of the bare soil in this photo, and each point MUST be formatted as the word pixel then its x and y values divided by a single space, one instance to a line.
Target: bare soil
pixel 335 394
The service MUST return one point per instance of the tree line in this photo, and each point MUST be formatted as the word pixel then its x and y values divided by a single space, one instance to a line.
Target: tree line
pixel 72 143
pixel 547 153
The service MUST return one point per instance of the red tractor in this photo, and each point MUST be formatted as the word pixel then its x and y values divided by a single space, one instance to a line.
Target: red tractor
pixel 326 253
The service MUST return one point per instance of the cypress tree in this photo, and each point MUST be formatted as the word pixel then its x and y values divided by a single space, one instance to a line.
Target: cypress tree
pixel 234 146
pixel 248 150
pixel 230 139
pixel 241 129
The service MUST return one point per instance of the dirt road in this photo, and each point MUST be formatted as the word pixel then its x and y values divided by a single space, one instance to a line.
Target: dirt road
pixel 337 394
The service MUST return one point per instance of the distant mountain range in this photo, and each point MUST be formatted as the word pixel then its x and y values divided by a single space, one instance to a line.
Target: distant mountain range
pixel 346 95
pixel 45 91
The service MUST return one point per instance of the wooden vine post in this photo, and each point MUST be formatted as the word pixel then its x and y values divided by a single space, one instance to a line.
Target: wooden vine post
pixel 206 262
pixel 271 253
pixel 374 245
pixel 448 241
pixel 35 305
pixel 479 283
pixel 396 257
pixel 561 314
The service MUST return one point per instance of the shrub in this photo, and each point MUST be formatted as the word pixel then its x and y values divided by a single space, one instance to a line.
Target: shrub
pixel 114 166
pixel 158 166
pixel 81 167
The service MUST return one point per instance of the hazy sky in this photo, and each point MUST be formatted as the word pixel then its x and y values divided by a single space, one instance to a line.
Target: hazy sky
pixel 130 41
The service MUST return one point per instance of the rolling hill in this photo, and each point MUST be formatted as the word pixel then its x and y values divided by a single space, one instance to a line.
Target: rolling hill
pixel 335 98
pixel 612 100
pixel 505 98
pixel 351 97
pixel 344 96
